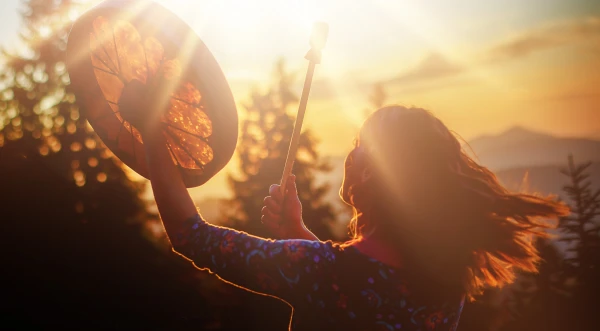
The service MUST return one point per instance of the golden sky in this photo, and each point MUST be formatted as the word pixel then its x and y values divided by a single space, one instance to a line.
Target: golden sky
pixel 482 66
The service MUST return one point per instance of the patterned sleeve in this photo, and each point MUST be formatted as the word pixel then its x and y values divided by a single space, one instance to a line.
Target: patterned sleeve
pixel 273 267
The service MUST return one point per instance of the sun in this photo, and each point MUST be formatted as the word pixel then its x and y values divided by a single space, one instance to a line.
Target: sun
pixel 247 37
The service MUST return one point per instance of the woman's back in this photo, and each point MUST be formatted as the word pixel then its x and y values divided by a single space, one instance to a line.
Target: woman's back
pixel 330 286
pixel 360 293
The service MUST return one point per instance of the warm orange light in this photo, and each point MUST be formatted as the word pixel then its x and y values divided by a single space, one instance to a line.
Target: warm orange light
pixel 92 162
pixel 119 56
pixel 101 177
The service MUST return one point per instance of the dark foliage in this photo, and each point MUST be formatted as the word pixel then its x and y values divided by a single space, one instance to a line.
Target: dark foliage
pixel 581 230
pixel 102 273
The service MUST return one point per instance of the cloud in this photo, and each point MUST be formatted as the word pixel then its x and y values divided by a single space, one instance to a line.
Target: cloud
pixel 433 66
pixel 546 37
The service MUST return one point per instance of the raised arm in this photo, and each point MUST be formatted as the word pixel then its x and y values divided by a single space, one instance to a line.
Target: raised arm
pixel 283 268
pixel 172 198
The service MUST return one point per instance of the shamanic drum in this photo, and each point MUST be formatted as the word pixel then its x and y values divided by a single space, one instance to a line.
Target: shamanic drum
pixel 119 44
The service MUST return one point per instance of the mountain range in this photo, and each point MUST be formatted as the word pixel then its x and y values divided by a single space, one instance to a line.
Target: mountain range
pixel 520 147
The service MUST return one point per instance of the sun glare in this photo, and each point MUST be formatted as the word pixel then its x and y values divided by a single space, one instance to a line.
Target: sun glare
pixel 247 15
pixel 229 25
pixel 45 31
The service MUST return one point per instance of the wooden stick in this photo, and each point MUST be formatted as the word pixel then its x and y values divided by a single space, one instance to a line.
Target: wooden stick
pixel 295 141
pixel 317 42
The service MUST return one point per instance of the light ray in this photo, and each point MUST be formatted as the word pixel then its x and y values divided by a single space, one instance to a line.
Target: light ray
pixel 133 9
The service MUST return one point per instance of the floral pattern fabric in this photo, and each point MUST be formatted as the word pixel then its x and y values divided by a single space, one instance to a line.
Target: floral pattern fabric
pixel 329 286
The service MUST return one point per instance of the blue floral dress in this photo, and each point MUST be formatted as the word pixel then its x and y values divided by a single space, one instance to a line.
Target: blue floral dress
pixel 329 286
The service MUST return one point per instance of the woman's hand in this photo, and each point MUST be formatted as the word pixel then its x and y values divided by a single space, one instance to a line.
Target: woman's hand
pixel 282 215
pixel 143 105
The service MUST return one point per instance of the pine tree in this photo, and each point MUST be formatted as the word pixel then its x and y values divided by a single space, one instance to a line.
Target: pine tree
pixel 39 111
pixel 262 149
pixel 582 228
pixel 582 232
pixel 540 301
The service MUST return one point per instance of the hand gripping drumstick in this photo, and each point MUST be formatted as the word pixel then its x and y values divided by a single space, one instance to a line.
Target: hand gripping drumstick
pixel 317 42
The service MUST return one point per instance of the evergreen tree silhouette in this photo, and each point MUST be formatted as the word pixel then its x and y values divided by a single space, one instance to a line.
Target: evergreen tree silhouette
pixel 582 228
pixel 540 301
pixel 38 108
pixel 262 149
pixel 582 233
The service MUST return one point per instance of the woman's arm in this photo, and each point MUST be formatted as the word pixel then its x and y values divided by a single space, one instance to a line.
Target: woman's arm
pixel 283 268
pixel 172 198
pixel 278 268
pixel 283 219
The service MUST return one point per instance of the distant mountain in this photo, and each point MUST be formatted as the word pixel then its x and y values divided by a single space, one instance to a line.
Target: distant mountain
pixel 520 147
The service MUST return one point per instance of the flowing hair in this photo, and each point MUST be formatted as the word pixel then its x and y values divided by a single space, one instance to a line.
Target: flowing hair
pixel 457 228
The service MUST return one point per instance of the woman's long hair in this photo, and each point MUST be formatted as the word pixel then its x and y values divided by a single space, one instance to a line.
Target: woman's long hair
pixel 458 228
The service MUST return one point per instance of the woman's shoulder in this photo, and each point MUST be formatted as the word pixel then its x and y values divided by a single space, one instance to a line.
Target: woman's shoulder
pixel 386 291
pixel 376 274
pixel 315 251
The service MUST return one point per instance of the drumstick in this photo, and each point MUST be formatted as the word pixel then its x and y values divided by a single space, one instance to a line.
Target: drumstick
pixel 317 42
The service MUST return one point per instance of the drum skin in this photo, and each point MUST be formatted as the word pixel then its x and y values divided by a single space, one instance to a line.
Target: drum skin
pixel 119 42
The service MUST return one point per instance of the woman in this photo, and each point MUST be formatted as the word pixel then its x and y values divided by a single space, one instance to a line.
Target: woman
pixel 431 228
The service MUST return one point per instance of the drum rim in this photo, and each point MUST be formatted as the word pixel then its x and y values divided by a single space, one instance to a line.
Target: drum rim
pixel 219 96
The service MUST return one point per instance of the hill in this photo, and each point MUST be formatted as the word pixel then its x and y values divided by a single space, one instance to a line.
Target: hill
pixel 520 147
pixel 543 179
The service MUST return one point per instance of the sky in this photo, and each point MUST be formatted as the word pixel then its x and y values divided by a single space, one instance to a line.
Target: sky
pixel 481 66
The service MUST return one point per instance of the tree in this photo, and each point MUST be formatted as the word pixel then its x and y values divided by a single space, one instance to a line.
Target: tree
pixel 582 233
pixel 262 149
pixel 581 228
pixel 38 108
pixel 540 301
